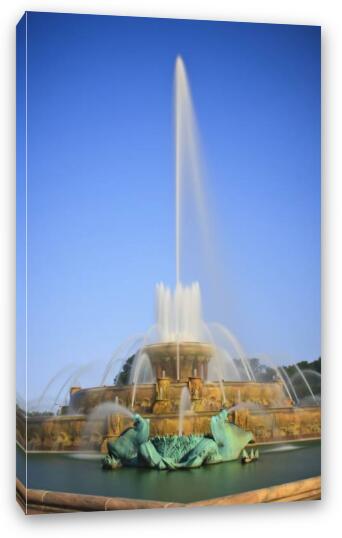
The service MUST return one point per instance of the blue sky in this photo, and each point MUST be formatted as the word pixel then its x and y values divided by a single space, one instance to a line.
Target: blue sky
pixel 101 180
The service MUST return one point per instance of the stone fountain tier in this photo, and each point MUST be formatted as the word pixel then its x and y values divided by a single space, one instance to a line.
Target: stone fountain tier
pixel 76 433
pixel 164 396
pixel 269 414
pixel 193 359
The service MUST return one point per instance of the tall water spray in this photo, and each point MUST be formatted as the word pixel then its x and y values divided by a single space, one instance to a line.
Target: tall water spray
pixel 179 313
pixel 180 81
pixel 187 177
pixel 180 95
pixel 191 202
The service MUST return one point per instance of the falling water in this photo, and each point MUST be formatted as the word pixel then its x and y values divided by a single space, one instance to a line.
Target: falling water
pixel 280 375
pixel 142 373
pixel 227 365
pixel 306 382
pixel 141 361
pixel 233 341
pixel 121 354
pixel 269 362
pixel 72 380
pixel 314 373
pixel 67 384
pixel 106 409
pixel 99 413
pixel 314 378
pixel 50 384
pixel 286 375
pixel 184 407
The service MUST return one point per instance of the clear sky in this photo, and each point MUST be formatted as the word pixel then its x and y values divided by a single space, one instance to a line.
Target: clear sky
pixel 101 180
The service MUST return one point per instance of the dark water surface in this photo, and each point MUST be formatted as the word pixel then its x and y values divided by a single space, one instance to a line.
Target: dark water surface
pixel 81 474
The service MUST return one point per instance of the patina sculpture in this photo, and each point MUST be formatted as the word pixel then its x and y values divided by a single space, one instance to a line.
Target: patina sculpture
pixel 134 448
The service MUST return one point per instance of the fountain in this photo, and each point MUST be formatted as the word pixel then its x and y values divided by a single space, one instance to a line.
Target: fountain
pixel 180 363
pixel 184 407
pixel 177 386
pixel 307 384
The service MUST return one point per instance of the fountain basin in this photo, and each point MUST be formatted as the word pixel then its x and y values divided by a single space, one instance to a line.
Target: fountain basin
pixel 193 359
pixel 280 463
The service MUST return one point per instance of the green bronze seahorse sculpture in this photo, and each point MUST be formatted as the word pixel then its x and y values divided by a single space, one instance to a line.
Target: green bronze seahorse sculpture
pixel 134 448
